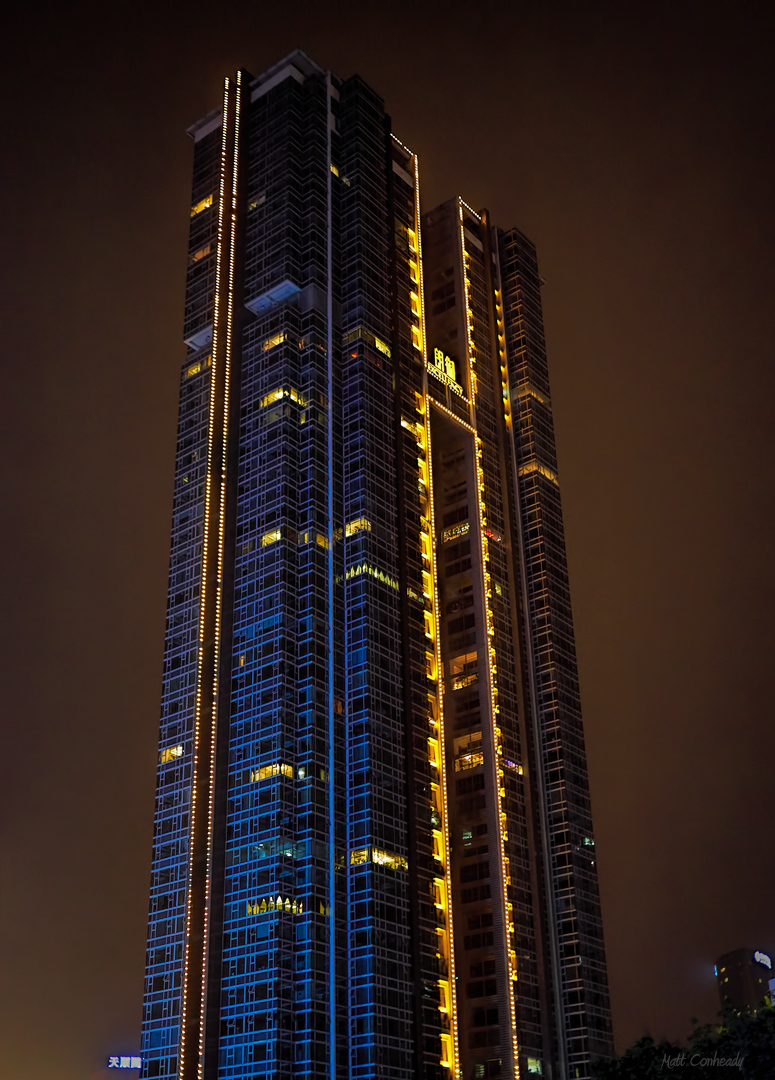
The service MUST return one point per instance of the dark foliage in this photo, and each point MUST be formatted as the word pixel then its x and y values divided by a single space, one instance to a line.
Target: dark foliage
pixel 742 1046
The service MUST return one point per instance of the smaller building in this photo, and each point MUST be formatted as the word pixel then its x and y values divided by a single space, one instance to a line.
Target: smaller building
pixel 743 978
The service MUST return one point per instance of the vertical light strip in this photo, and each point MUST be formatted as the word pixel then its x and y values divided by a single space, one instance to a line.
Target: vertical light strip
pixel 229 321
pixel 203 591
pixel 331 545
pixel 442 759
pixel 511 959
pixel 500 330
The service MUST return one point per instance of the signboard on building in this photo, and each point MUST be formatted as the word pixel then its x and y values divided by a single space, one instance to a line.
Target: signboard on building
pixel 123 1062
pixel 445 370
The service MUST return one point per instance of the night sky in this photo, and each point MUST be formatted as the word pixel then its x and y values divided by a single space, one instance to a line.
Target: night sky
pixel 633 143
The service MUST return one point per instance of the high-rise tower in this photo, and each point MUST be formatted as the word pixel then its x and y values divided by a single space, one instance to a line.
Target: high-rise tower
pixel 373 851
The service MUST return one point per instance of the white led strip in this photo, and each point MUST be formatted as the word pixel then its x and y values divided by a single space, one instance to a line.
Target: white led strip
pixel 219 259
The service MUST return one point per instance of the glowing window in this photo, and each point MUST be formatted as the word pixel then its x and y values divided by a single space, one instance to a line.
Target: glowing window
pixel 276 769
pixel 416 429
pixel 197 366
pixel 281 392
pixel 389 859
pixel 278 339
pixel 463 664
pixel 528 390
pixel 270 537
pixel 261 907
pixel 439 894
pixel 468 751
pixel 361 524
pixel 201 253
pixel 203 204
pixel 513 765
pixel 170 753
pixel 368 336
pixel 534 466
pixel 446 1051
pixel 359 856
pixel 314 538
pixel 433 752
pixel 372 571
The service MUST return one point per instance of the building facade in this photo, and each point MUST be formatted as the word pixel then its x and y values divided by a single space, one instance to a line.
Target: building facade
pixel 373 851
pixel 744 979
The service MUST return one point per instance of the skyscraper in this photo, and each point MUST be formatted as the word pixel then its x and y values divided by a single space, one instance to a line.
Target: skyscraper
pixel 373 850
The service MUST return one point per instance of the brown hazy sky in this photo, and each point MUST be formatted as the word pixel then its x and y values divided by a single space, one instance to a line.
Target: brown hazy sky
pixel 633 143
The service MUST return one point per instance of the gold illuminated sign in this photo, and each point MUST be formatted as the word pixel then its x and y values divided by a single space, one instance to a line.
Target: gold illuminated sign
pixel 444 369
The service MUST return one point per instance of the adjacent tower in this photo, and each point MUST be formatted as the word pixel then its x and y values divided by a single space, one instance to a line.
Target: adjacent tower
pixel 373 852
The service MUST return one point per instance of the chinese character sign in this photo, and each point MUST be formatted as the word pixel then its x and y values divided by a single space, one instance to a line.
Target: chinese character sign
pixel 125 1062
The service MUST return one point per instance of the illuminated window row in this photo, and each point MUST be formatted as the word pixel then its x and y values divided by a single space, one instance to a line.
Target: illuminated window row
pixel 367 336
pixel 380 575
pixel 277 769
pixel 469 761
pixel 279 845
pixel 294 907
pixel 281 392
pixel 416 429
pixel 282 532
pixel 379 857
pixel 535 466
pixel 528 390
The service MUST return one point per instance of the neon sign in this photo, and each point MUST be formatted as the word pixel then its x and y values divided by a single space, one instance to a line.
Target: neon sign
pixel 125 1062
pixel 444 369
pixel 763 958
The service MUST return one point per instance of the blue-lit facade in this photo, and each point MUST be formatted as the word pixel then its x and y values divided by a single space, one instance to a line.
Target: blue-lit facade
pixel 372 850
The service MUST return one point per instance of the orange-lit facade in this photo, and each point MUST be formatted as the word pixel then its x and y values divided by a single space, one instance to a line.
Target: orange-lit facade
pixel 373 852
